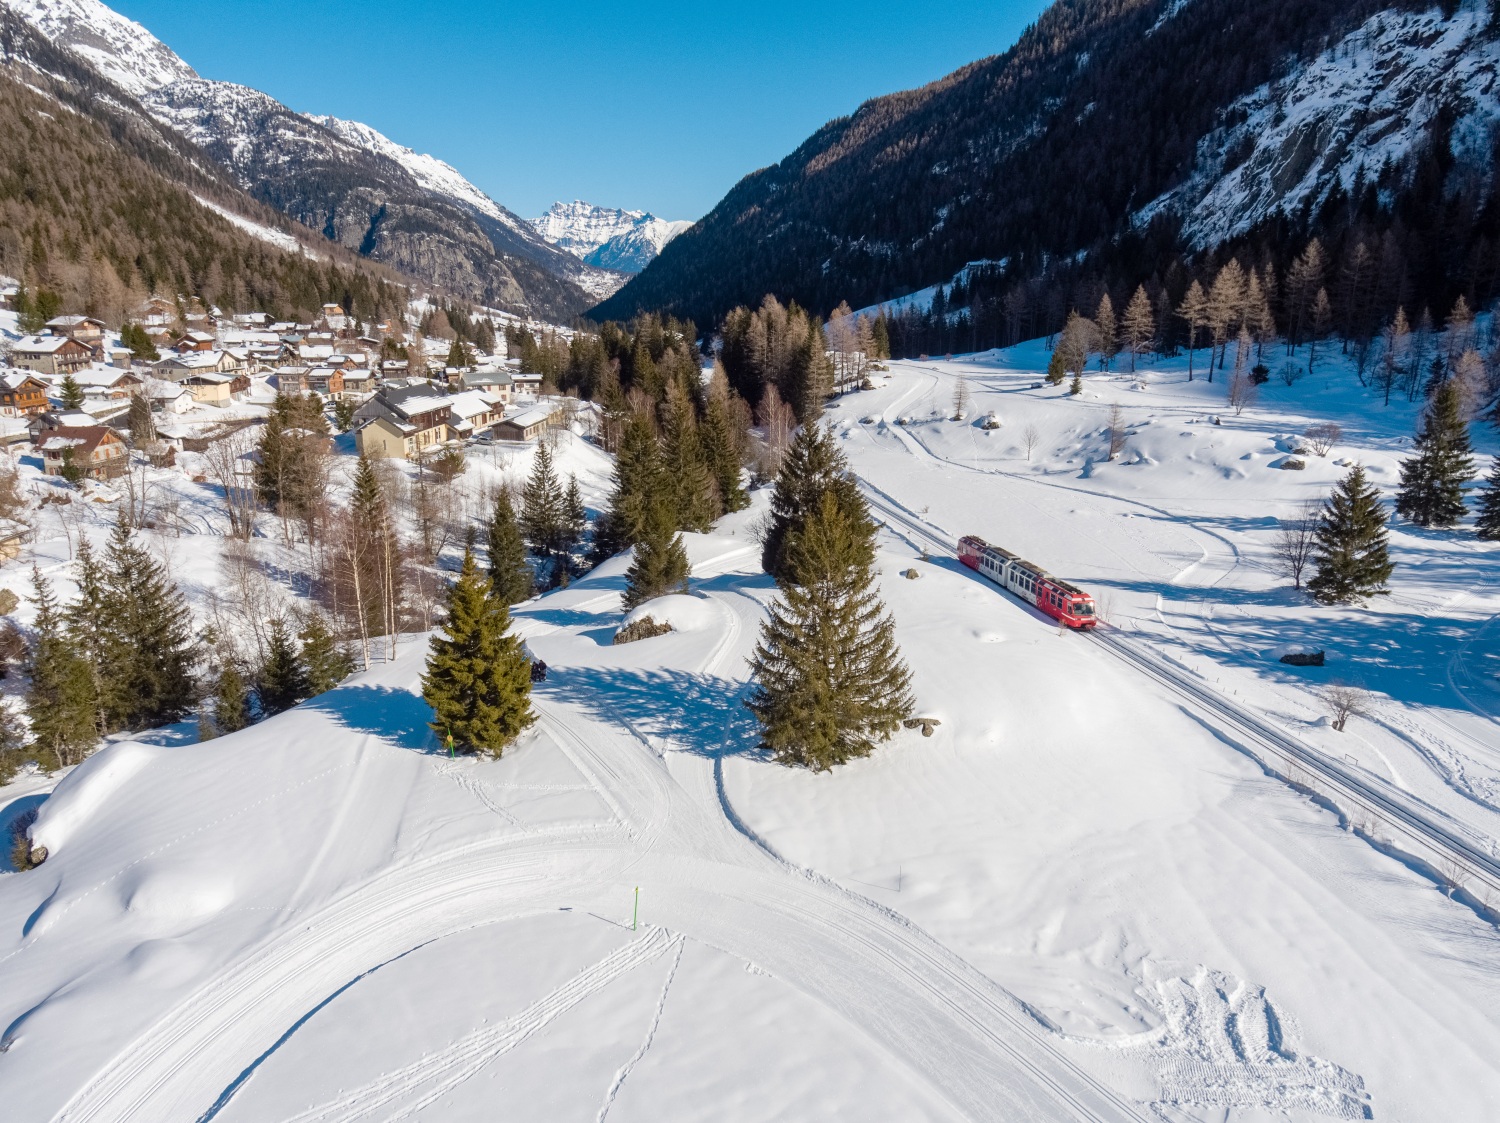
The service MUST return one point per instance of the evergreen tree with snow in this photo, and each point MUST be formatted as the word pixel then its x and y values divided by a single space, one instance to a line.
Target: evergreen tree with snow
pixel 478 679
pixel 1487 524
pixel 829 678
pixel 325 661
pixel 813 466
pixel 686 467
pixel 282 682
pixel 1351 555
pixel 231 700
pixel 1432 482
pixel 542 505
pixel 510 573
pixel 660 563
pixel 70 393
pixel 60 701
pixel 147 653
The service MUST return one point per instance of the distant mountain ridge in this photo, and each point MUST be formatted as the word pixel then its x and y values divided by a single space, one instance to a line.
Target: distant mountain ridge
pixel 341 178
pixel 607 237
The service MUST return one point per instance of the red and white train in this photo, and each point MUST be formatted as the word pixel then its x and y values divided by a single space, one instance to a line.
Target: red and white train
pixel 1063 602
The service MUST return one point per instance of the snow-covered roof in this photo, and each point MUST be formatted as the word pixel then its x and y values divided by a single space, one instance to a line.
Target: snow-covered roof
pixel 471 403
pixel 536 415
pixel 41 344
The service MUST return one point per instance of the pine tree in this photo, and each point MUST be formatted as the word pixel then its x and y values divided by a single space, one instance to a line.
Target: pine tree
pixel 1487 524
pixel 282 681
pixel 1075 387
pixel 686 468
pixel 87 622
pixel 478 679
pixel 660 564
pixel 721 447
pixel 637 468
pixel 324 659
pixel 575 515
pixel 813 466
pixel 146 671
pixel 1432 482
pixel 829 679
pixel 1351 556
pixel 510 572
pixel 542 504
pixel 231 700
pixel 1139 324
pixel 70 393
pixel 60 702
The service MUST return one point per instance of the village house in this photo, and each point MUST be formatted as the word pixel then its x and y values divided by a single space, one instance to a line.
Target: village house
pixel 526 382
pixel 178 367
pixel 194 341
pixel 335 317
pixel 169 397
pixel 529 424
pixel 214 389
pixel 473 412
pixel 327 381
pixel 56 355
pixel 22 394
pixel 96 450
pixel 291 380
pixel 494 382
pixel 407 422
pixel 358 384
pixel 108 382
pixel 85 329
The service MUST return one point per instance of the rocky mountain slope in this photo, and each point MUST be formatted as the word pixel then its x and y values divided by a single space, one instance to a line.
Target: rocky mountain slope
pixel 344 179
pixel 1131 132
pixel 607 237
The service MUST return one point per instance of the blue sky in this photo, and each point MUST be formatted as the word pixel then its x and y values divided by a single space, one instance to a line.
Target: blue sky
pixel 661 106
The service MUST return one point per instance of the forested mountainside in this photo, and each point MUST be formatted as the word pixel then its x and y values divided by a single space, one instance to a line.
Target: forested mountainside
pixel 103 207
pixel 1128 142
pixel 341 179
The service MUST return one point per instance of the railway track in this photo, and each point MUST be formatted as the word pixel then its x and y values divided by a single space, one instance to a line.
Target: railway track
pixel 1461 863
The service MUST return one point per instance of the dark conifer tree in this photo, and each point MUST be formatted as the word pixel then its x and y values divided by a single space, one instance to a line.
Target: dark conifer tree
pixel 1487 524
pixel 660 565
pixel 87 622
pixel 231 700
pixel 146 673
pixel 813 466
pixel 282 681
pixel 722 449
pixel 542 505
pixel 60 701
pixel 325 660
pixel 637 469
pixel 510 573
pixel 685 466
pixel 829 679
pixel 478 679
pixel 575 516
pixel 1351 556
pixel 70 393
pixel 1432 482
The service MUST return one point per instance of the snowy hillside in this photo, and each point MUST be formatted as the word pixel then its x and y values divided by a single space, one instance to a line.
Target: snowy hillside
pixel 1366 101
pixel 607 237
pixel 120 49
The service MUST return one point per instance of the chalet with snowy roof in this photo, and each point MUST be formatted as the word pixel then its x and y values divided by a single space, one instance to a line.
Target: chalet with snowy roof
pixel 407 422
pixel 56 355
pixel 168 397
pixel 97 450
pixel 253 320
pixel 9 291
pixel 190 341
pixel 327 381
pixel 291 380
pixel 179 367
pixel 22 394
pixel 335 317
pixel 494 382
pixel 473 412
pixel 85 329
pixel 529 424
pixel 359 383
pixel 108 382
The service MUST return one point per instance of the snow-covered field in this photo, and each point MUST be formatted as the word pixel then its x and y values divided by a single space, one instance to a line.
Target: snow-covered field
pixel 1078 899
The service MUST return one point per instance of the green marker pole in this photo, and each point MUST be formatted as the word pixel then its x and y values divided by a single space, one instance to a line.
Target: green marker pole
pixel 636 916
pixel 450 746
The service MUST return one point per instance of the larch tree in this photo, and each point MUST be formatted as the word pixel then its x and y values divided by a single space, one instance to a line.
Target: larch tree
pixel 829 679
pixel 813 466
pixel 1431 492
pixel 1106 332
pixel 1351 558
pixel 1139 325
pixel 1194 311
pixel 1487 523
pixel 1321 321
pixel 478 679
pixel 511 576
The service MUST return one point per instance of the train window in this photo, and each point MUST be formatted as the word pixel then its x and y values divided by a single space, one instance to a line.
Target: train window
pixel 1084 609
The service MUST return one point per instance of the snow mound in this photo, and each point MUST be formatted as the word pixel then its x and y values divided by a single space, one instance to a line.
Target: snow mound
pixel 86 789
pixel 685 613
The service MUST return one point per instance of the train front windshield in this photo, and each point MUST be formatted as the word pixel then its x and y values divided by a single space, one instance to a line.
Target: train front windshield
pixel 1083 610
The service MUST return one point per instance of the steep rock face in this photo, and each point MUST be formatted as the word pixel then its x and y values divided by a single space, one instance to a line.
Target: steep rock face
pixel 341 178
pixel 1106 113
pixel 607 237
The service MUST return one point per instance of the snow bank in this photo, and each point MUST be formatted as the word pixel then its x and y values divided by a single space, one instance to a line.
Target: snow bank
pixel 684 613
pixel 87 788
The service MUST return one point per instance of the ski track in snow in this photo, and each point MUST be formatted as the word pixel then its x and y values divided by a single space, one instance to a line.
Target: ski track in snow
pixel 629 1066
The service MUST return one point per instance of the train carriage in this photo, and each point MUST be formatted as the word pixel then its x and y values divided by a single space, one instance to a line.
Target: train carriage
pixel 1063 602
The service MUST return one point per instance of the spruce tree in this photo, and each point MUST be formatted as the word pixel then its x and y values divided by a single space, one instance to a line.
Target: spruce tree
pixel 60 702
pixel 146 672
pixel 1432 482
pixel 87 622
pixel 478 679
pixel 70 393
pixel 324 660
pixel 813 465
pixel 685 465
pixel 1487 524
pixel 510 572
pixel 637 468
pixel 231 700
pixel 282 681
pixel 721 448
pixel 1351 556
pixel 575 515
pixel 542 504
pixel 660 564
pixel 829 679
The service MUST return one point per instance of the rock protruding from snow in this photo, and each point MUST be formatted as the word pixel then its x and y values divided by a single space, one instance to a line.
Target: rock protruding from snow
pixel 607 237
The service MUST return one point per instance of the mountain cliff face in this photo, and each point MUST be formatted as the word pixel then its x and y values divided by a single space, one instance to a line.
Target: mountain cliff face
pixel 341 178
pixel 607 237
pixel 1114 129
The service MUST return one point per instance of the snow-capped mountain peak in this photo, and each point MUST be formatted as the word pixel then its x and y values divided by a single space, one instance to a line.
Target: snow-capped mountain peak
pixel 119 48
pixel 607 237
